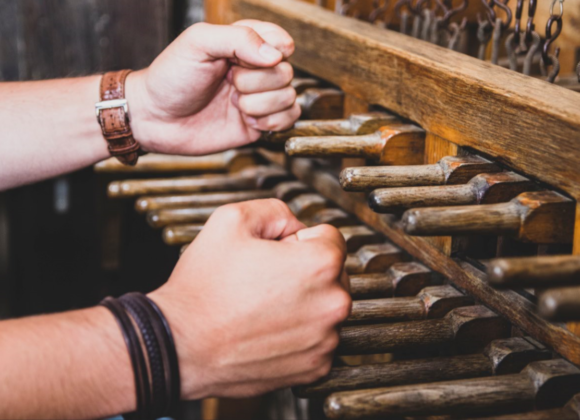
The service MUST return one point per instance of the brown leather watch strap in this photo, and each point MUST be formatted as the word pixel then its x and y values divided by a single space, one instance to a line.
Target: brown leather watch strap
pixel 115 121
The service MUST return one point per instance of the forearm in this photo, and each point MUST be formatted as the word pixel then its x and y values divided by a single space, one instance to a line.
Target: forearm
pixel 71 365
pixel 48 128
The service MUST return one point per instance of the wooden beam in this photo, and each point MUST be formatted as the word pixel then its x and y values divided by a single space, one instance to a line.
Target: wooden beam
pixel 525 123
pixel 519 310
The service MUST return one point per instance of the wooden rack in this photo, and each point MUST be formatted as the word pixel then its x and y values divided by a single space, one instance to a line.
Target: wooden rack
pixel 529 125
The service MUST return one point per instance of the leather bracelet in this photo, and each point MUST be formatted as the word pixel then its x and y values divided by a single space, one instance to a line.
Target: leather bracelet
pixel 157 383
pixel 142 388
pixel 113 117
pixel 154 353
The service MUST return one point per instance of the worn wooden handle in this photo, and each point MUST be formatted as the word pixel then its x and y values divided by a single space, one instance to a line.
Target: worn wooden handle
pixel 249 179
pixel 543 217
pixel 307 205
pixel 372 339
pixel 321 103
pixel 365 286
pixel 492 219
pixel 181 234
pixel 145 204
pixel 560 304
pixel 392 200
pixel 397 373
pixel 359 236
pixel 373 259
pixel 233 160
pixel 540 271
pixel 368 178
pixel 330 216
pixel 474 396
pixel 368 146
pixel 387 310
pixel 161 218
pixel 300 84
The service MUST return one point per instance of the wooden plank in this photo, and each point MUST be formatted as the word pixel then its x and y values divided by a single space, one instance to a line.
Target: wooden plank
pixel 525 123
pixel 520 311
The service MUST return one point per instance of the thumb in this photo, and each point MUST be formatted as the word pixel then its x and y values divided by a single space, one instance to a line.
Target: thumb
pixel 240 44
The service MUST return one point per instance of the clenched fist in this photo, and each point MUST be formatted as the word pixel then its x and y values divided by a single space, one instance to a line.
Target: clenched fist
pixel 214 88
pixel 255 302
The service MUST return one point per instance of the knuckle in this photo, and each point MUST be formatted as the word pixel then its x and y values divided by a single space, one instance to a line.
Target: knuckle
pixel 230 213
pixel 341 307
pixel 246 104
pixel 290 96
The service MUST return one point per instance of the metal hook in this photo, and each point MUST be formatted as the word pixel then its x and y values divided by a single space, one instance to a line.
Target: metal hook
pixel 455 33
pixel 530 27
pixel 449 11
pixel 378 10
pixel 550 38
pixel 528 61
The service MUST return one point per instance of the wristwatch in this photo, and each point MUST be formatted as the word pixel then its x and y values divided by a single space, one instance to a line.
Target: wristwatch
pixel 113 117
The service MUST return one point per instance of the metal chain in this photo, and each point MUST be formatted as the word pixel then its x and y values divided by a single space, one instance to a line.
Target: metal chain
pixel 547 58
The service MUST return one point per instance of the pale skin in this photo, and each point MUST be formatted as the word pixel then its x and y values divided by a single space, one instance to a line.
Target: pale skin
pixel 256 312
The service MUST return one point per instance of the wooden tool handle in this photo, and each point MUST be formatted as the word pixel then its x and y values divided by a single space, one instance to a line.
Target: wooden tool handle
pixel 560 304
pixel 473 396
pixel 359 236
pixel 372 339
pixel 161 218
pixel 397 373
pixel 311 128
pixel 492 219
pixel 389 200
pixel 204 183
pixel 146 204
pixel 368 146
pixel 372 177
pixel 300 84
pixel 321 103
pixel 540 271
pixel 307 205
pixel 334 217
pixel 373 259
pixel 181 234
pixel 366 286
pixel 387 310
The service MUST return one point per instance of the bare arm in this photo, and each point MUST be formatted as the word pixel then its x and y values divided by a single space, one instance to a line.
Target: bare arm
pixel 48 128
pixel 68 366
pixel 214 88
pixel 76 365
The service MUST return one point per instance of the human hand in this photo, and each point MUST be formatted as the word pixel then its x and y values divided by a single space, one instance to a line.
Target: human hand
pixel 255 302
pixel 214 88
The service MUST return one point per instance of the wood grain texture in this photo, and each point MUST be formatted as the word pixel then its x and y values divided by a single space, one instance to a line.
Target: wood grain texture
pixel 232 161
pixel 501 357
pixel 161 202
pixel 535 272
pixel 543 384
pixel 355 124
pixel 432 302
pixel 300 84
pixel 161 218
pixel 396 144
pixel 467 329
pixel 321 103
pixel 561 304
pixel 330 216
pixel 359 236
pixel 401 279
pixel 483 189
pixel 251 178
pixel 373 259
pixel 305 206
pixel 542 217
pixel 519 310
pixel 407 75
pixel 181 234
pixel 449 170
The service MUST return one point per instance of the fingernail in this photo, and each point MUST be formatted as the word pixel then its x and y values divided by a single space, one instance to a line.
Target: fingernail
pixel 236 98
pixel 269 52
